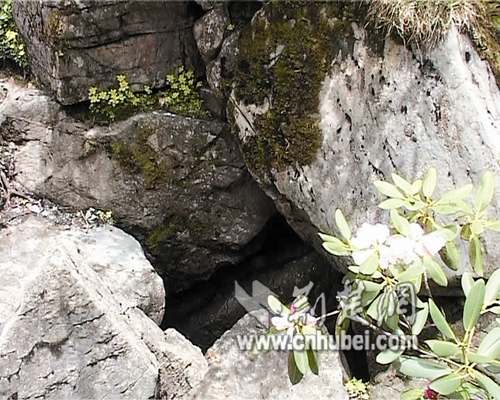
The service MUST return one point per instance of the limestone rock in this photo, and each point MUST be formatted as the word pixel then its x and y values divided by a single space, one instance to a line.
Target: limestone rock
pixel 263 375
pixel 220 70
pixel 177 183
pixel 209 32
pixel 73 318
pixel 319 119
pixel 75 45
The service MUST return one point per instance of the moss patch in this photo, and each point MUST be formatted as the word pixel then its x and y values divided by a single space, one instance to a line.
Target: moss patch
pixel 139 157
pixel 284 58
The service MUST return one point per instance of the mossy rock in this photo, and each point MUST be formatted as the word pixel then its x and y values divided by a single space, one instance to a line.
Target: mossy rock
pixel 284 57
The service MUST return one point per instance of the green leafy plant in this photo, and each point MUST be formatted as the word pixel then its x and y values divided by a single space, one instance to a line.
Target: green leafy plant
pixel 356 389
pixel 114 102
pixel 417 247
pixel 181 96
pixel 12 46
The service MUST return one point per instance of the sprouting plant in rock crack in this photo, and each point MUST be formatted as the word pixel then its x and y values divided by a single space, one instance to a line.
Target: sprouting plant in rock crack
pixel 12 46
pixel 393 267
pixel 181 96
pixel 356 389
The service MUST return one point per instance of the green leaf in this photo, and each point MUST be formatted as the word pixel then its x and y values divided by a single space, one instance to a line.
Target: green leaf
pixel 412 394
pixel 388 189
pixel 390 204
pixel 493 225
pixel 388 356
pixel 435 271
pixel 420 320
pixel 370 265
pixel 456 194
pixel 301 361
pixel 402 184
pixel 420 368
pixel 400 223
pixel 440 321
pixel 412 273
pixel 476 256
pixel 446 384
pixel 336 247
pixel 491 387
pixel 492 288
pixel 313 361
pixel 450 255
pixel 473 305
pixel 275 305
pixel 294 374
pixel 485 192
pixel 467 283
pixel 443 348
pixel 344 229
pixel 478 358
pixel 490 344
pixel 429 183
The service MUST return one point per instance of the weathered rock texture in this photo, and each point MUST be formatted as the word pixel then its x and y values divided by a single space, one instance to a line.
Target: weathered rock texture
pixel 237 374
pixel 209 32
pixel 177 183
pixel 75 45
pixel 319 119
pixel 74 323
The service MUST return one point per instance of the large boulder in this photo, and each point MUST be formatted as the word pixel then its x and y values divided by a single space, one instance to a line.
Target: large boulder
pixel 74 309
pixel 177 183
pixel 245 374
pixel 323 106
pixel 73 45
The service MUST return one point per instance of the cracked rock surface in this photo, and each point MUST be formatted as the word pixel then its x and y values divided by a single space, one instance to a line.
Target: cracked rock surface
pixel 76 45
pixel 382 108
pixel 77 318
pixel 176 183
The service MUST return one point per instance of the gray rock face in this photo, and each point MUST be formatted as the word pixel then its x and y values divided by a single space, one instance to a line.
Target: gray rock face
pixel 247 375
pixel 177 183
pixel 381 108
pixel 74 320
pixel 76 45
pixel 209 32
pixel 221 68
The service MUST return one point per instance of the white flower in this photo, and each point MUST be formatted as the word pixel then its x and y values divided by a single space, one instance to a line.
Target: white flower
pixel 399 250
pixel 368 238
pixel 290 319
pixel 426 244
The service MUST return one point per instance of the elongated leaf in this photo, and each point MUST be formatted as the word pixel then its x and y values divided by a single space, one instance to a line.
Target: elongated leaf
pixel 337 248
pixel 388 356
pixel 388 189
pixel 492 288
pixel 420 368
pixel 313 361
pixel 467 283
pixel 328 238
pixel 478 358
pixel 402 184
pixel 491 387
pixel 370 265
pixel 373 310
pixel 476 256
pixel 446 384
pixel 435 271
pixel 493 225
pixel 450 255
pixel 390 204
pixel 342 224
pixel 275 305
pixel 294 374
pixel 485 192
pixel 412 273
pixel 420 320
pixel 429 183
pixel 400 223
pixel 416 186
pixel 301 361
pixel 456 194
pixel 490 344
pixel 443 348
pixel 440 321
pixel 473 305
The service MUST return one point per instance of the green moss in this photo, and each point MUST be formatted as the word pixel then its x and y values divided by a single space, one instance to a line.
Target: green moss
pixel 139 157
pixel 55 26
pixel 284 59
